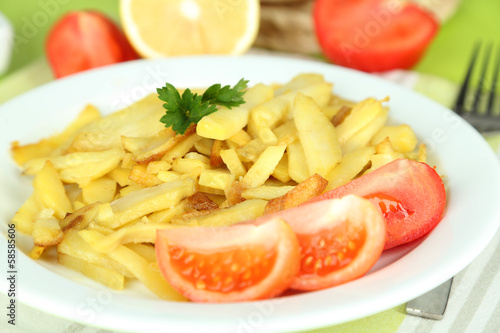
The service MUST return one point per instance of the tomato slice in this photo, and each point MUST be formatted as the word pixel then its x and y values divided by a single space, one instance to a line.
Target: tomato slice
pixel 373 35
pixel 238 263
pixel 83 40
pixel 340 240
pixel 410 195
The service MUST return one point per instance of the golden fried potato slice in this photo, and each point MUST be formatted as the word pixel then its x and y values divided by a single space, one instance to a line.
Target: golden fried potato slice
pixel 102 190
pixel 74 245
pixel 140 175
pixel 81 218
pixel 264 166
pixel 104 275
pixel 317 136
pixel 138 266
pixel 304 191
pixel 55 144
pixel 25 216
pixel 200 201
pixel 46 229
pixel 246 210
pixel 50 193
pixel 137 120
pixel 145 201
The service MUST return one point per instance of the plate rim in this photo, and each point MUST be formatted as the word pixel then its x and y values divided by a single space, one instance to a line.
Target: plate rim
pixel 101 72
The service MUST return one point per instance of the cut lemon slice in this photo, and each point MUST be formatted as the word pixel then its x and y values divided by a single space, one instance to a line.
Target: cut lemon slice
pixel 159 28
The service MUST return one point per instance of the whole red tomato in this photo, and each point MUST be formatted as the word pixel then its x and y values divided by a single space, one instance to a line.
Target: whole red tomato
pixel 82 40
pixel 373 35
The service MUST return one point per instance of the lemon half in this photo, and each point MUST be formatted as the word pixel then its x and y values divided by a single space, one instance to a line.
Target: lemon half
pixel 159 28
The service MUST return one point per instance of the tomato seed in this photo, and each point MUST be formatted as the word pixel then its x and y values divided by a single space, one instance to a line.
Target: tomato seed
pixel 322 243
pixel 189 258
pixel 200 284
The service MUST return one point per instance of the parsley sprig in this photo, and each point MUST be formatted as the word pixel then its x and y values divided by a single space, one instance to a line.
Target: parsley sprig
pixel 182 111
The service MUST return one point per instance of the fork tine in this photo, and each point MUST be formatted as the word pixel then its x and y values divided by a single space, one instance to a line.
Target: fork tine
pixel 482 79
pixel 460 102
pixel 493 88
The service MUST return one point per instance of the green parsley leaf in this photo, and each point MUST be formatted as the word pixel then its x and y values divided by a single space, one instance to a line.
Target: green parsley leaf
pixel 182 111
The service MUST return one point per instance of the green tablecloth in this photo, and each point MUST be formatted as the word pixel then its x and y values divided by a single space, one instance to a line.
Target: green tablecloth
pixel 445 59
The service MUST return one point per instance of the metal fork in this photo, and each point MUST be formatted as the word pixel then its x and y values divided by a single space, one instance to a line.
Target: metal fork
pixel 477 107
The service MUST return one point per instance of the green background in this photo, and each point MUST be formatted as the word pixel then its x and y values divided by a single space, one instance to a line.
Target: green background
pixel 475 19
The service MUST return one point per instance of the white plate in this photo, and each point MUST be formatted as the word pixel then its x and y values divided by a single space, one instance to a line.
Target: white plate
pixel 460 153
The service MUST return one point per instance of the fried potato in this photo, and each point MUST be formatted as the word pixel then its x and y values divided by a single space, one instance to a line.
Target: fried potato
pixel 145 201
pixel 204 146
pixel 80 167
pixel 281 170
pixel 189 166
pixel 138 233
pixel 50 193
pixel 234 193
pixel 147 251
pixel 25 216
pixel 361 115
pixel 121 176
pixel 138 266
pixel 240 138
pixel 251 151
pixel 309 84
pixel 156 166
pixel 166 215
pixel 243 211
pixel 46 229
pixel 101 274
pixel 74 245
pixel 304 191
pixel 138 120
pixel 140 175
pixel 402 137
pixel 181 148
pixel 351 165
pixel 161 144
pixel 55 144
pixel 233 163
pixel 99 190
pixel 264 166
pixel 81 218
pixel 384 153
pixel 265 192
pixel 365 134
pixel 216 179
pixel 317 136
pixel 215 158
pixel 168 176
pixel 224 123
pixel 200 201
pixel 297 166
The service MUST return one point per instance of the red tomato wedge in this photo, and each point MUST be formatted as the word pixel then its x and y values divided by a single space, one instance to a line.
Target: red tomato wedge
pixel 82 40
pixel 238 263
pixel 373 35
pixel 410 195
pixel 340 240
